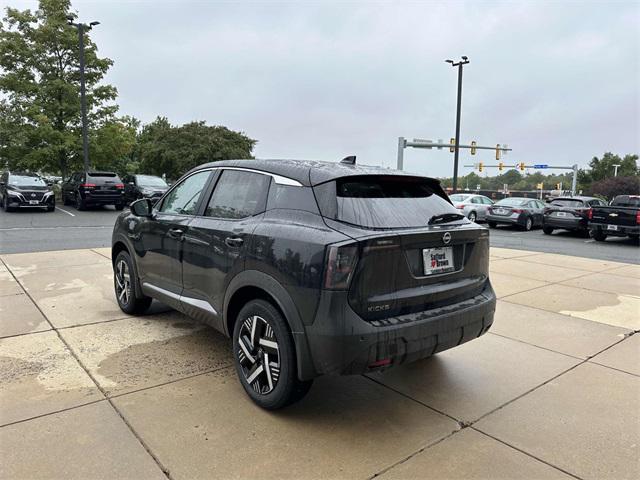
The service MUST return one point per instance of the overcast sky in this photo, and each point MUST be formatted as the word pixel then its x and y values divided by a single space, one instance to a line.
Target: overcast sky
pixel 557 81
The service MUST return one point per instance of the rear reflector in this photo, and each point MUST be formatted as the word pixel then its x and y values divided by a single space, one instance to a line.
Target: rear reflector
pixel 380 363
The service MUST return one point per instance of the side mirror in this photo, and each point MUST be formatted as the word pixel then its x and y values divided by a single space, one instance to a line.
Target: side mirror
pixel 142 208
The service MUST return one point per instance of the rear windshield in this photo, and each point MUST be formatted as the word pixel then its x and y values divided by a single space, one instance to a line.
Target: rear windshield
pixel 626 201
pixel 103 177
pixel 150 181
pixel 381 201
pixel 567 202
pixel 512 201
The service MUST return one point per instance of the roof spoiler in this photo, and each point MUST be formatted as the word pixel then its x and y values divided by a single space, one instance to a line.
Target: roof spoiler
pixel 350 160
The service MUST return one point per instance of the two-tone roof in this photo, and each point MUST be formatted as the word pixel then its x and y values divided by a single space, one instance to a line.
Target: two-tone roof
pixel 306 172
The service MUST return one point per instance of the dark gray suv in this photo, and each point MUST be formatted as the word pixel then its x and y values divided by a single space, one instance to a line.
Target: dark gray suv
pixel 312 268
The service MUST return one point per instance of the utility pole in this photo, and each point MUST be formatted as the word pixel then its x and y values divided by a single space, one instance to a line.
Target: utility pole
pixel 459 64
pixel 82 28
pixel 615 172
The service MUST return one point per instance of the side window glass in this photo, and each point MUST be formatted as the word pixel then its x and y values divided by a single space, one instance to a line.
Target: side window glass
pixel 238 195
pixel 487 201
pixel 184 197
pixel 475 200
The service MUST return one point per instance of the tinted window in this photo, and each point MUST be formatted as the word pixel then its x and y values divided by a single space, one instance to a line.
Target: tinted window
pixel 238 195
pixel 100 178
pixel 486 201
pixel 567 202
pixel 381 201
pixel 626 201
pixel 184 197
pixel 291 198
pixel 150 181
pixel 476 200
pixel 511 201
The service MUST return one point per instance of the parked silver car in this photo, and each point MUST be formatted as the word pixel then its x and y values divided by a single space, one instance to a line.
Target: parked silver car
pixel 471 205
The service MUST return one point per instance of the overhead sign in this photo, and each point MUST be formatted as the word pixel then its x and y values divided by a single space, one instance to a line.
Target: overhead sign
pixel 541 165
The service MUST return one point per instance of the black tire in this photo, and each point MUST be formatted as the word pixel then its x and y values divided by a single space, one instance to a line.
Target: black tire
pixel 65 200
pixel 547 230
pixel 492 224
pixel 80 203
pixel 119 206
pixel 5 204
pixel 472 216
pixel 599 235
pixel 276 386
pixel 128 295
pixel 51 208
pixel 528 224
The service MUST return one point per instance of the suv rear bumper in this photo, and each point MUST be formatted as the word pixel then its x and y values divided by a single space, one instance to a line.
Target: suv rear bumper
pixel 341 342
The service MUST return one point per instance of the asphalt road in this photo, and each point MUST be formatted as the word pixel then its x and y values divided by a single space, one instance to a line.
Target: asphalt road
pixel 67 228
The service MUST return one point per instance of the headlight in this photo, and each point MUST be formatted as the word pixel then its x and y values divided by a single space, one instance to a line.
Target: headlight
pixel 14 194
pixel 46 194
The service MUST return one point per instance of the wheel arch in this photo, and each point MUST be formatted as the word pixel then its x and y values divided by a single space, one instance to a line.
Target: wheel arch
pixel 252 284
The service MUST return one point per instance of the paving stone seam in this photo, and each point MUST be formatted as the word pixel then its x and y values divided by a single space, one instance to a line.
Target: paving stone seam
pixel 475 429
pixel 603 269
pixel 169 382
pixel 164 470
pixel 584 273
pixel 55 412
pixel 628 330
pixel 536 346
pixel 410 456
pixel 101 254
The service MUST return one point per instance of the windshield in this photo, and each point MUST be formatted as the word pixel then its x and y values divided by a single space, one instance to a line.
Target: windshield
pixel 512 201
pixel 26 181
pixel 567 202
pixel 458 197
pixel 385 201
pixel 626 201
pixel 150 181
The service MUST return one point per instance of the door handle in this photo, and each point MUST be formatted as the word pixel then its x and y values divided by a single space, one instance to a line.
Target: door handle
pixel 233 241
pixel 176 232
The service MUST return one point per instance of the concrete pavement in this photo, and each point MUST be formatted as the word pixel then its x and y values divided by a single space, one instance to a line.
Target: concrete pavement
pixel 553 391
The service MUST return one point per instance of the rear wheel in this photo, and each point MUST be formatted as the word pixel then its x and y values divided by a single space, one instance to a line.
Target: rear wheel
pixel 547 230
pixel 492 224
pixel 473 216
pixel 599 235
pixel 119 206
pixel 65 200
pixel 264 357
pixel 130 300
pixel 528 224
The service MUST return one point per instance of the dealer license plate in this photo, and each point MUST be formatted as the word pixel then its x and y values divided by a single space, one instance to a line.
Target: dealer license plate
pixel 438 260
pixel 612 227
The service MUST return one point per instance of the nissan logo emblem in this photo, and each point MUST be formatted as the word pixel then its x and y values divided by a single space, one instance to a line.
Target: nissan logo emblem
pixel 446 238
pixel 33 195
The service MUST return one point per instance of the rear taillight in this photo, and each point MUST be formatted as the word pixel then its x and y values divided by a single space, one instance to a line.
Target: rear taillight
pixel 638 218
pixel 516 210
pixel 590 213
pixel 341 263
pixel 88 185
pixel 460 207
pixel 120 186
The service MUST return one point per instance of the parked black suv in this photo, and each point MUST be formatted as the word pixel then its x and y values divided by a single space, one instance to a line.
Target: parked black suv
pixel 143 186
pixel 313 268
pixel 93 189
pixel 18 190
pixel 569 213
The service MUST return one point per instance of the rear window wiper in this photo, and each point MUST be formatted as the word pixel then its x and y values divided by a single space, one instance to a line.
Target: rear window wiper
pixel 445 217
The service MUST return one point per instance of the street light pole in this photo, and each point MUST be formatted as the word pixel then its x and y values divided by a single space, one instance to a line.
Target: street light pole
pixel 82 27
pixel 456 153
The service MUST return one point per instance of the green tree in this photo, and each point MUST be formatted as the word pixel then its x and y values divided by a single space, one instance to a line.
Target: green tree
pixel 170 150
pixel 602 168
pixel 613 186
pixel 40 125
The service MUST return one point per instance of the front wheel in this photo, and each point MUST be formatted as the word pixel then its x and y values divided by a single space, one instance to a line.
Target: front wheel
pixel 5 204
pixel 492 224
pixel 51 208
pixel 264 357
pixel 547 230
pixel 119 206
pixel 130 300
pixel 599 235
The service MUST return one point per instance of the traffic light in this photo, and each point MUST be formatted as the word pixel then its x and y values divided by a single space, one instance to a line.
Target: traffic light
pixel 480 166
pixel 500 166
pixel 521 166
pixel 498 152
pixel 452 142
pixel 473 147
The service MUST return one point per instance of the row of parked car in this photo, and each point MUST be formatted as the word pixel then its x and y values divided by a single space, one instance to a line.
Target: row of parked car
pixel 587 215
pixel 18 190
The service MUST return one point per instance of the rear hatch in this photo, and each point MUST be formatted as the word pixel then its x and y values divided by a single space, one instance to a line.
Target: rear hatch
pixel 408 259
pixel 104 184
pixel 566 209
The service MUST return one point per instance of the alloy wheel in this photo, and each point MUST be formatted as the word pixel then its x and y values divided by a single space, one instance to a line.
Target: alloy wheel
pixel 472 216
pixel 259 354
pixel 123 282
pixel 529 224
